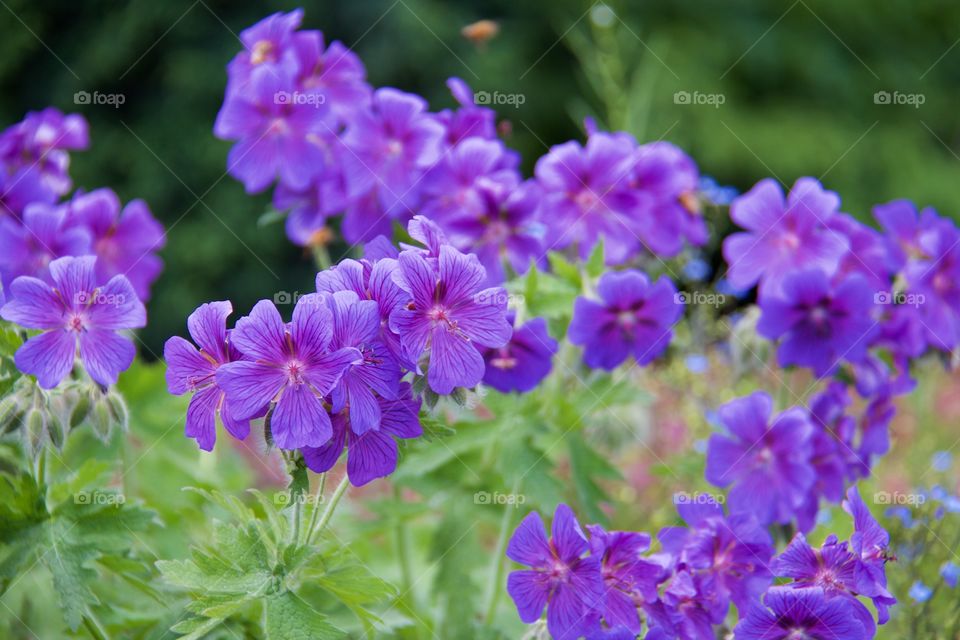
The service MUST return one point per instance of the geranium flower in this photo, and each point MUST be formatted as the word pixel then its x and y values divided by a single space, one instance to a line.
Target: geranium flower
pixel 768 463
pixel 291 365
pixel 449 314
pixel 632 318
pixel 524 361
pixel 74 311
pixel 193 370
pixel 560 578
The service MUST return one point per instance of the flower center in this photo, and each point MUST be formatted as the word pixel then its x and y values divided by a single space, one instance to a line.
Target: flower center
pixel 75 323
pixel 295 372
pixel 789 240
pixel 504 360
pixel 587 200
pixel 394 147
pixel 262 52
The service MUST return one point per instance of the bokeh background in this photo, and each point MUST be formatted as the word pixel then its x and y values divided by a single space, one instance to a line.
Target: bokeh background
pixel 785 89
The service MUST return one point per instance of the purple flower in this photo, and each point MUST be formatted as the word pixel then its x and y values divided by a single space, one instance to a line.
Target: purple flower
pixel 820 324
pixel 686 607
pixel 628 578
pixel 291 365
pixel 800 613
pixel 507 230
pixel 470 120
pixel 524 361
pixel 729 554
pixel 21 187
pixel 356 323
pixel 453 187
pixel 666 181
pixel 587 192
pixel 371 281
pixel 372 454
pixel 124 241
pixel 193 370
pixel 767 463
pixel 450 315
pixel 334 72
pixel 869 544
pixel 28 247
pixel 869 253
pixel 74 310
pixel 560 577
pixel 831 568
pixel 41 143
pixel 278 136
pixel 390 146
pixel 782 237
pixel 935 275
pixel 268 50
pixel 633 317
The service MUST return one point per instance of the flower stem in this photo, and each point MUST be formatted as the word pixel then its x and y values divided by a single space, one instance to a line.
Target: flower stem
pixel 496 569
pixel 403 548
pixel 93 627
pixel 315 513
pixel 331 507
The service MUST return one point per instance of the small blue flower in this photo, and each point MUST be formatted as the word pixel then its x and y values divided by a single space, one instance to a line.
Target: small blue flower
pixel 941 461
pixel 696 270
pixel 902 513
pixel 697 363
pixel 950 573
pixel 920 592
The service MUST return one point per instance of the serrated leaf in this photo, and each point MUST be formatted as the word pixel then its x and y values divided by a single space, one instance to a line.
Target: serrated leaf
pixel 288 617
pixel 586 465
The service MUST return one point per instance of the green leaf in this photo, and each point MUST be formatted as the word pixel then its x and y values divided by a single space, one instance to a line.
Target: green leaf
pixel 595 265
pixel 586 465
pixel 288 617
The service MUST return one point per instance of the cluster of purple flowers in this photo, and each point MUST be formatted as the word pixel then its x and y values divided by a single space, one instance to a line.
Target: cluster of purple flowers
pixel 304 118
pixel 76 269
pixel 779 468
pixel 834 290
pixel 336 375
pixel 611 585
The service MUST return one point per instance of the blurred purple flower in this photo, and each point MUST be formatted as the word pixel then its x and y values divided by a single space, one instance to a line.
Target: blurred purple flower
pixel 782 236
pixel 800 613
pixel 767 463
pixel 28 246
pixel 524 361
pixel 633 317
pixel 820 324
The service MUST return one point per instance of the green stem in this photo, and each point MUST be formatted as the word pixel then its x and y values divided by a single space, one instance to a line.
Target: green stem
pixel 496 570
pixel 315 514
pixel 93 627
pixel 42 469
pixel 331 507
pixel 403 547
pixel 297 515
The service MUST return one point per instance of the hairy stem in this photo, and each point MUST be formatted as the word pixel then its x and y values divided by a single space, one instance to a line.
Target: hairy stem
pixel 331 507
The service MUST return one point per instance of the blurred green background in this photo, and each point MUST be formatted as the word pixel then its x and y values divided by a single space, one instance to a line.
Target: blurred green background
pixel 797 81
